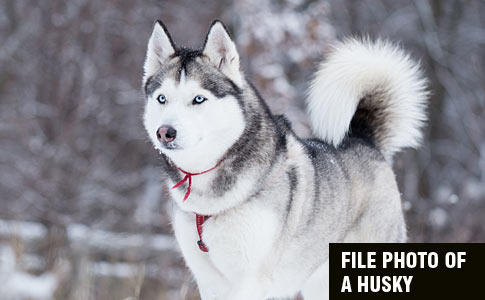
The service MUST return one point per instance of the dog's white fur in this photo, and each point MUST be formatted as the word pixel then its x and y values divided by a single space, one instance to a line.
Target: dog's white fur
pixel 357 68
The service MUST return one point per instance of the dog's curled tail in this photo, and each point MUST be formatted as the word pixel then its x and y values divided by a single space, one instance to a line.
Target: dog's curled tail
pixel 369 89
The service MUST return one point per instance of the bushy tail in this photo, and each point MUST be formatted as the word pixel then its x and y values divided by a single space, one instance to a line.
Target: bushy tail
pixel 371 89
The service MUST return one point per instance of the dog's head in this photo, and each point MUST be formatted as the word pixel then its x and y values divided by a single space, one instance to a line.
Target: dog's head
pixel 193 111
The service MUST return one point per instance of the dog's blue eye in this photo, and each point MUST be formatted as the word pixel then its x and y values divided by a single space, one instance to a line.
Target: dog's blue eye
pixel 199 99
pixel 161 99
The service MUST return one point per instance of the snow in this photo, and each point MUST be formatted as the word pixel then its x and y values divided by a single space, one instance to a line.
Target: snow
pixel 18 285
pixel 93 238
pixel 122 270
pixel 27 230
pixel 96 238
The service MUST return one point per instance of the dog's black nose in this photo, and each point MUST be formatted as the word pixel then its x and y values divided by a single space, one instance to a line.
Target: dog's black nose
pixel 166 133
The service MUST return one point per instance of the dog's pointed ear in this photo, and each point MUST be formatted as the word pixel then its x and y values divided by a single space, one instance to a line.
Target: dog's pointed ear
pixel 160 48
pixel 222 53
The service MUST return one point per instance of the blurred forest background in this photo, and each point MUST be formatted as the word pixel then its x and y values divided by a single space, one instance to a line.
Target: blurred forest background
pixel 81 209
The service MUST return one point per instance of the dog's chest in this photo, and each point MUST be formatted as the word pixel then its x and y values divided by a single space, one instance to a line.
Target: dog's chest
pixel 237 240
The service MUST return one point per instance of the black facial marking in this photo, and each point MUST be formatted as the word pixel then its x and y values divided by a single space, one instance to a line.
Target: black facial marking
pixel 147 83
pixel 220 86
pixel 186 56
pixel 151 86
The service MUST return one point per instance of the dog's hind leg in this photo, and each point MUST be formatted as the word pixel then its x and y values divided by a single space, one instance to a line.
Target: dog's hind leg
pixel 316 287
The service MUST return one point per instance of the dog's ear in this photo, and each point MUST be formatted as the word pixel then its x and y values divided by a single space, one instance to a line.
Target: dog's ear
pixel 222 52
pixel 160 48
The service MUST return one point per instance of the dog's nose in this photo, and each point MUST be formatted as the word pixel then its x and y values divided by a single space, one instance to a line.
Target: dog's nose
pixel 166 133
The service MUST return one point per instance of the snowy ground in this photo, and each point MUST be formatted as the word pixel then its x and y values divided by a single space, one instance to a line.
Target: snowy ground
pixel 19 269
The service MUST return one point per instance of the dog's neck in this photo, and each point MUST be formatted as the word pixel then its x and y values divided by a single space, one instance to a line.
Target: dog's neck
pixel 188 178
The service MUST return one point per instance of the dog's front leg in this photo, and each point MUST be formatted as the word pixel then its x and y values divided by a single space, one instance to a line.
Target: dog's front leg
pixel 211 284
pixel 245 250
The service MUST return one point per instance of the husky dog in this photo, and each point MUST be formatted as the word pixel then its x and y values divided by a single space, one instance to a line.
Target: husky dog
pixel 256 206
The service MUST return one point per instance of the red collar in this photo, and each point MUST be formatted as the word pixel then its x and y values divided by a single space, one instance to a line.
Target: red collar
pixel 199 219
pixel 188 176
